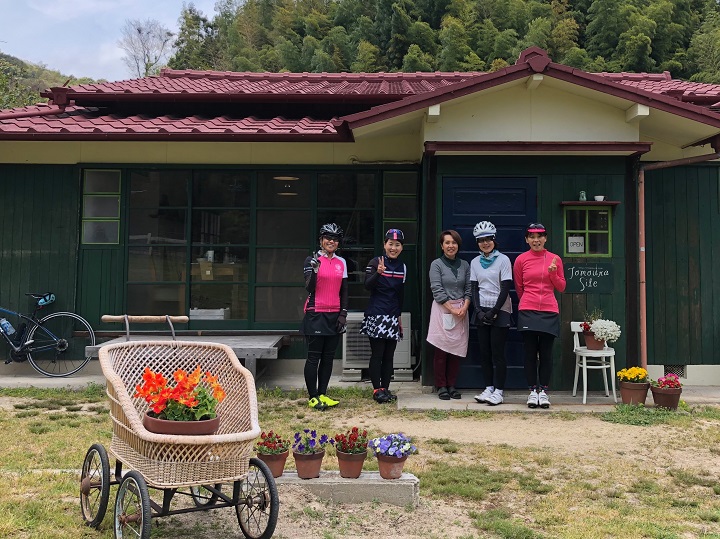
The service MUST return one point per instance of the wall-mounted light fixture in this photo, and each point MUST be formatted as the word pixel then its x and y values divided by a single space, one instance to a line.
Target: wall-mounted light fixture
pixel 287 189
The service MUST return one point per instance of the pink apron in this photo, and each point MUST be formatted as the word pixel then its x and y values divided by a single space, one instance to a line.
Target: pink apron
pixel 453 341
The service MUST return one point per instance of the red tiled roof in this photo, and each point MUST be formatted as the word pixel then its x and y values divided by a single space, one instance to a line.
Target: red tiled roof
pixel 699 93
pixel 209 85
pixel 93 110
pixel 89 122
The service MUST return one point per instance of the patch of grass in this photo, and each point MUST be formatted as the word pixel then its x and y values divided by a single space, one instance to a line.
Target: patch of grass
pixel 39 428
pixel 645 486
pixel 466 481
pixel 437 415
pixel 564 415
pixel 628 414
pixel 90 393
pixel 27 413
pixel 502 523
pixel 73 408
pixel 533 484
pixel 687 478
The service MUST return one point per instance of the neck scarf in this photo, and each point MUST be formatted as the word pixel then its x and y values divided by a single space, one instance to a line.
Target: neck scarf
pixel 486 261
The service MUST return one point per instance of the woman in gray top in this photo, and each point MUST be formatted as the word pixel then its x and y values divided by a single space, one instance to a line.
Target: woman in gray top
pixel 449 325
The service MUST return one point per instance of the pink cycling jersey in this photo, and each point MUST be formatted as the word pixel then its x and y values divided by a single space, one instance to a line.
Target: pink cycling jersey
pixel 326 297
pixel 535 285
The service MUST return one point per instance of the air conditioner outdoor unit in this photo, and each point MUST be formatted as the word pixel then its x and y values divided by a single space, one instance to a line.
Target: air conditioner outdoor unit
pixel 356 350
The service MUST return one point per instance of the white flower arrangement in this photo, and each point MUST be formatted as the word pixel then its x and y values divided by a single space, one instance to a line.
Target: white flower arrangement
pixel 605 330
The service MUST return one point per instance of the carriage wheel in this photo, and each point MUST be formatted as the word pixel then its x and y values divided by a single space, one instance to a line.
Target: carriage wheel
pixel 259 505
pixel 202 496
pixel 132 508
pixel 95 485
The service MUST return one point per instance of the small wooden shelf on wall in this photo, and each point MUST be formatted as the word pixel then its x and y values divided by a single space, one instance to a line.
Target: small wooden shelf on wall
pixel 590 203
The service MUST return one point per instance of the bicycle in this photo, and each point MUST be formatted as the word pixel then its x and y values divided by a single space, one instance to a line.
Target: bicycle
pixel 55 344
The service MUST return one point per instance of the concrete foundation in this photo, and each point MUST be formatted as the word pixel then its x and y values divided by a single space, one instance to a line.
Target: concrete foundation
pixel 366 488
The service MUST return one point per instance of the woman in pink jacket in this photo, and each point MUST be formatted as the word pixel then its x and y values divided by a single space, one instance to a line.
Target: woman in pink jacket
pixel 538 273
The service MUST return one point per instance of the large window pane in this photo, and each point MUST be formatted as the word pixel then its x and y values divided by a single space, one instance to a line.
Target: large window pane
pixel 220 226
pixel 222 254
pixel 156 299
pixel 102 181
pixel 278 227
pixel 279 304
pixel 280 265
pixel 218 301
pixel 221 188
pixel 357 260
pixel 157 226
pixel 153 263
pixel 359 226
pixel 153 188
pixel 346 190
pixel 283 190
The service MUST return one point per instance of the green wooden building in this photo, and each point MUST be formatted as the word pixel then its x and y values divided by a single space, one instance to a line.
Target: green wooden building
pixel 201 193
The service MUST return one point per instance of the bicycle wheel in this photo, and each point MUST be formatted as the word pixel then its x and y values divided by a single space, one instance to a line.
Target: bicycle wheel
pixel 59 344
pixel 259 505
pixel 95 485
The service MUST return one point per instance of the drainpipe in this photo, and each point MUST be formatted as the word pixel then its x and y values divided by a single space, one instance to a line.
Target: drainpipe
pixel 641 238
pixel 28 113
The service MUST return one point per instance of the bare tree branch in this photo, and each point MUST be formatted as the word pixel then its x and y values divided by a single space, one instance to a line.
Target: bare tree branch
pixel 146 45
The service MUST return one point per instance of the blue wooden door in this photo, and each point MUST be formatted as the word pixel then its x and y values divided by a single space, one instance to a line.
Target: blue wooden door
pixel 510 203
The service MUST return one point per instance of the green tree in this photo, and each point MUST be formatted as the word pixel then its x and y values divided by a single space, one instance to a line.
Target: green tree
pixel 505 45
pixel 704 50
pixel 399 26
pixel 196 46
pixel 417 60
pixel 366 59
pixel 607 19
pixel 423 36
pixel 14 91
pixel 454 45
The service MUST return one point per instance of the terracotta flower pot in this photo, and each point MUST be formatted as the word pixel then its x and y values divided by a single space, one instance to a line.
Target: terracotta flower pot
pixel 666 397
pixel 390 467
pixel 190 428
pixel 308 464
pixel 276 462
pixel 591 342
pixel 351 464
pixel 633 392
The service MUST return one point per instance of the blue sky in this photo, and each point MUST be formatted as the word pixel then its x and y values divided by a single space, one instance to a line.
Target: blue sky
pixel 79 37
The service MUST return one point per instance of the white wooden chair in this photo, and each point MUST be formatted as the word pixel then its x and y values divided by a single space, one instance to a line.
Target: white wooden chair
pixel 592 359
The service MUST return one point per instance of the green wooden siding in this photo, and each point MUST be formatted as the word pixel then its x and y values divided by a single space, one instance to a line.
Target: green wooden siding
pixel 683 254
pixel 38 234
pixel 101 284
pixel 561 179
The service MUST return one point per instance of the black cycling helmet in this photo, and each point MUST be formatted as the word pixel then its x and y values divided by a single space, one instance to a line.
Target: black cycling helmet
pixel 395 234
pixel 331 230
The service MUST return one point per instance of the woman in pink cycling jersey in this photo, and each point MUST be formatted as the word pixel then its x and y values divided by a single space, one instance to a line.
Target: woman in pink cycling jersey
pixel 326 279
pixel 538 273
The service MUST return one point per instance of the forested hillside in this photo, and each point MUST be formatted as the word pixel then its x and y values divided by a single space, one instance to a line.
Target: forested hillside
pixel 21 82
pixel 680 36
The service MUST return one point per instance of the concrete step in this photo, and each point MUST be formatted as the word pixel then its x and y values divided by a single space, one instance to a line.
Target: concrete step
pixel 368 487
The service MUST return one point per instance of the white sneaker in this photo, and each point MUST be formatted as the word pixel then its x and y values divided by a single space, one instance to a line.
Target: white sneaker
pixel 485 395
pixel 532 401
pixel 495 398
pixel 543 400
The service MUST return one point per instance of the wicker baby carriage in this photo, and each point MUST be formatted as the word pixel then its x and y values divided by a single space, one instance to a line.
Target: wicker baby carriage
pixel 170 462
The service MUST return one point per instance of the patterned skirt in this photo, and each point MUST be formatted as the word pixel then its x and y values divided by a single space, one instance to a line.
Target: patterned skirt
pixel 381 326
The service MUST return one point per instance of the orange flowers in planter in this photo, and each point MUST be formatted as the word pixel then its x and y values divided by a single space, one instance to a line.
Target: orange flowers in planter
pixel 187 401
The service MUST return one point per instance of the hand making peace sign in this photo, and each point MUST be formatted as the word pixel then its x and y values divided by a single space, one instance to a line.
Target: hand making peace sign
pixel 381 265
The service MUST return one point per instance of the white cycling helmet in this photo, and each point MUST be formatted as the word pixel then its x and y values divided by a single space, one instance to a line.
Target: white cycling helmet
pixel 484 229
